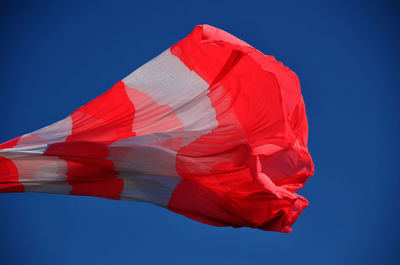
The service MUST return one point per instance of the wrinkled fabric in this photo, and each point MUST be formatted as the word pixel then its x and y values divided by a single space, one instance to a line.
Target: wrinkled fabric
pixel 211 129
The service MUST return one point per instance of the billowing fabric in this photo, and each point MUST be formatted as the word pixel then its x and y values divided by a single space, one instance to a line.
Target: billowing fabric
pixel 211 129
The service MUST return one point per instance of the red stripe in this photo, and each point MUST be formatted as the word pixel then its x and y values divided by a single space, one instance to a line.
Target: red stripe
pixel 9 177
pixel 258 103
pixel 8 171
pixel 10 144
pixel 151 117
pixel 95 126
pixel 232 199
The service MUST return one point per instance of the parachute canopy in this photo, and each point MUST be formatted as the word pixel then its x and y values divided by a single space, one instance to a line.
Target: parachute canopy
pixel 211 129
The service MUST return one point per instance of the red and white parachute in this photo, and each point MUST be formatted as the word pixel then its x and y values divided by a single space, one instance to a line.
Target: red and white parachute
pixel 211 128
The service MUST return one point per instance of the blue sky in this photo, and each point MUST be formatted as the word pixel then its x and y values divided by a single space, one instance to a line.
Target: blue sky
pixel 58 56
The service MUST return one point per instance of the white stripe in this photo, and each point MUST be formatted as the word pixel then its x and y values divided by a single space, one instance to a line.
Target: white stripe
pixel 54 133
pixel 38 149
pixel 147 169
pixel 168 81
pixel 60 187
pixel 37 172
pixel 143 155
pixel 154 189
pixel 147 163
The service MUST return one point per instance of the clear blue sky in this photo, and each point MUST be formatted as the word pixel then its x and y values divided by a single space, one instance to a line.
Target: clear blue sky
pixel 56 57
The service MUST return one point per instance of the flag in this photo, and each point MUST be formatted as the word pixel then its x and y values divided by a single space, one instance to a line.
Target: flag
pixel 211 128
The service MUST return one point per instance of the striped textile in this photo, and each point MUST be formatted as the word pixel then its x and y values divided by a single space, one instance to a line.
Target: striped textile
pixel 211 129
